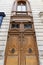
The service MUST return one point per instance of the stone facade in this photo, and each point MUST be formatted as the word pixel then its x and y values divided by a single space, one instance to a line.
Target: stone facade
pixel 37 11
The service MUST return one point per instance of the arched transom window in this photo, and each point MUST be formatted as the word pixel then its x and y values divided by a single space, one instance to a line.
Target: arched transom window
pixel 21 6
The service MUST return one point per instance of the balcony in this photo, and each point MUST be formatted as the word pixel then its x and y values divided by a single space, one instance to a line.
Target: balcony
pixel 21 16
pixel 21 13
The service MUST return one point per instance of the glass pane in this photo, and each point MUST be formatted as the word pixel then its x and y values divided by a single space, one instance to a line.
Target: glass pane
pixel 15 26
pixel 19 8
pixel 27 25
pixel 1 18
pixel 23 8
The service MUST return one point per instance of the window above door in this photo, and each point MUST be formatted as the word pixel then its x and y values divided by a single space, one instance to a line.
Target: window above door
pixel 21 6
pixel 15 25
pixel 28 25
pixel 21 26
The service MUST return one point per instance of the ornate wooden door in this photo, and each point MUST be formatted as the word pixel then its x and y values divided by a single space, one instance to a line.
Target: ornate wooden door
pixel 21 49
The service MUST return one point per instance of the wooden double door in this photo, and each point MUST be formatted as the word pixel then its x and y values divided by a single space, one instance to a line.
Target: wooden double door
pixel 21 49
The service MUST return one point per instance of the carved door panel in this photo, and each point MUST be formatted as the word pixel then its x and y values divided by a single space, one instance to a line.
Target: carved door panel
pixel 28 50
pixel 12 50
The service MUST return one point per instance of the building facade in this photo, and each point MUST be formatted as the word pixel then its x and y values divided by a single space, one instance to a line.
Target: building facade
pixel 36 7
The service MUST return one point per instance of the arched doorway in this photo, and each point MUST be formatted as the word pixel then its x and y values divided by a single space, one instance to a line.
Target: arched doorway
pixel 21 48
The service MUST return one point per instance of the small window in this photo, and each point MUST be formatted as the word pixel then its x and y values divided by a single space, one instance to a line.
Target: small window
pixel 15 25
pixel 27 25
pixel 1 18
pixel 2 14
pixel 21 6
